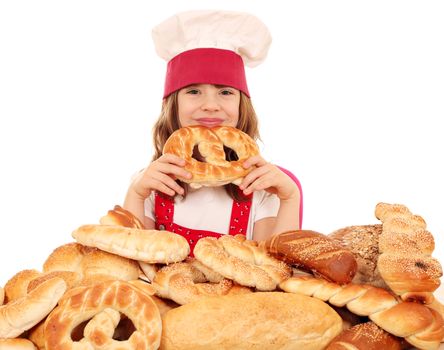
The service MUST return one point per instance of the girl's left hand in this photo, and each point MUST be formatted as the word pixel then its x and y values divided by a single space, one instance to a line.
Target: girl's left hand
pixel 268 177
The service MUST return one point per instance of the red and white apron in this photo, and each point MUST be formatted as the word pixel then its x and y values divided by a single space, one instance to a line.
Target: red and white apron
pixel 164 214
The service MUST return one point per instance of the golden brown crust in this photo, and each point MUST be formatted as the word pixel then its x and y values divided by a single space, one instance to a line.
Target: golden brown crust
pixel 16 344
pixel 419 325
pixel 365 336
pixel 405 247
pixel 150 246
pixel 216 170
pixel 242 261
pixel 81 265
pixel 121 217
pixel 316 252
pixel 362 241
pixel 17 286
pixel 118 295
pixel 267 320
pixel 183 283
pixel 25 312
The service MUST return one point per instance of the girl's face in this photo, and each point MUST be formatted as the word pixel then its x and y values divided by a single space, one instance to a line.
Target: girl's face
pixel 208 105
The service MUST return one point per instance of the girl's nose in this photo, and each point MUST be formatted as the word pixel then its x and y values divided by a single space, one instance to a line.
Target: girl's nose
pixel 210 103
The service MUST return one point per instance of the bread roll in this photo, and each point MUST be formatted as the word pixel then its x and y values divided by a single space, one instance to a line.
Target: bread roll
pixel 151 246
pixel 266 320
pixel 365 336
pixel 316 252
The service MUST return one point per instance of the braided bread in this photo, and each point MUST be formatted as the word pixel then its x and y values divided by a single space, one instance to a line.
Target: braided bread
pixel 241 261
pixel 120 296
pixel 216 170
pixel 420 326
pixel 150 246
pixel 405 247
pixel 316 252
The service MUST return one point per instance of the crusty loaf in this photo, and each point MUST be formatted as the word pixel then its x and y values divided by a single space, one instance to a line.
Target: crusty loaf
pixel 419 325
pixel 216 170
pixel 268 320
pixel 316 252
pixel 150 246
pixel 365 336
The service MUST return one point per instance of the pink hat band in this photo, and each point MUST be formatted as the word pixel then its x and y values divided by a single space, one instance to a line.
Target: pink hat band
pixel 205 66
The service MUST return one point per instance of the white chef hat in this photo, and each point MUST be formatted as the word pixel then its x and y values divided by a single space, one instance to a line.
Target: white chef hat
pixel 210 47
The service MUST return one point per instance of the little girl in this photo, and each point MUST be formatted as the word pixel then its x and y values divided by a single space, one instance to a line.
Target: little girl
pixel 206 85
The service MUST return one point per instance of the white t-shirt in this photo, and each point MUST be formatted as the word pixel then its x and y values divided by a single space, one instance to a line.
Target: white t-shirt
pixel 209 209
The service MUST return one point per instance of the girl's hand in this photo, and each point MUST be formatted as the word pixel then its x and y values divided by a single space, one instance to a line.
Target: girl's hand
pixel 268 177
pixel 160 176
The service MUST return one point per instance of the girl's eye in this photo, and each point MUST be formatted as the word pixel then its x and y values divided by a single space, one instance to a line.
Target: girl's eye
pixel 193 92
pixel 226 92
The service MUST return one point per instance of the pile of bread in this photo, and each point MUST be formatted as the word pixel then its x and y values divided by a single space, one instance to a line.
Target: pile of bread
pixel 120 286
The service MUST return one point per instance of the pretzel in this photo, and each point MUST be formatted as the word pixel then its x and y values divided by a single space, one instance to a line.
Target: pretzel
pixel 120 296
pixel 2 295
pixel 151 246
pixel 241 261
pixel 183 283
pixel 25 312
pixel 405 247
pixel 419 325
pixel 215 170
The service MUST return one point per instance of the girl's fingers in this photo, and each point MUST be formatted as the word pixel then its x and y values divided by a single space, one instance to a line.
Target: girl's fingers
pixel 167 168
pixel 255 160
pixel 252 176
pixel 162 187
pixel 172 159
pixel 169 182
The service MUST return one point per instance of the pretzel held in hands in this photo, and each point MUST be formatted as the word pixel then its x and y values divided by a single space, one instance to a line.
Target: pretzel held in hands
pixel 216 170
pixel 419 325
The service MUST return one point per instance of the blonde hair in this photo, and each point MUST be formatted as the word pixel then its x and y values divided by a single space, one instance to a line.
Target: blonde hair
pixel 168 122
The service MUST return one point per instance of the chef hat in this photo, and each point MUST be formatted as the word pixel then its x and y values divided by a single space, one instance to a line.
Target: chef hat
pixel 210 47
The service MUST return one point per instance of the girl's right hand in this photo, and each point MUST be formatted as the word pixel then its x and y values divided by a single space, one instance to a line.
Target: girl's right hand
pixel 160 176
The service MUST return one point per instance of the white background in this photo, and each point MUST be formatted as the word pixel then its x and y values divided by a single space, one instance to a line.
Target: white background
pixel 350 99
